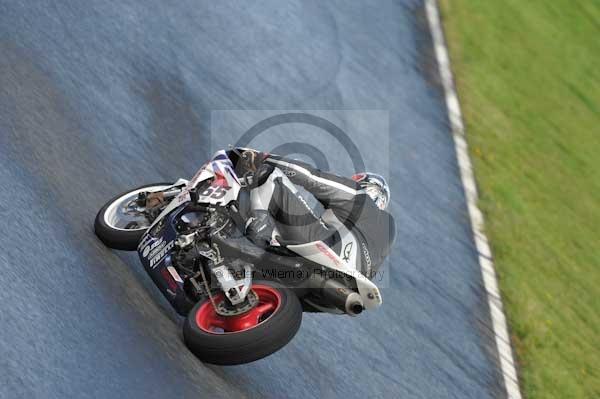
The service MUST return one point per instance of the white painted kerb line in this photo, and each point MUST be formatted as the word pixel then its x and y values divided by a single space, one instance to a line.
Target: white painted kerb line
pixel 505 354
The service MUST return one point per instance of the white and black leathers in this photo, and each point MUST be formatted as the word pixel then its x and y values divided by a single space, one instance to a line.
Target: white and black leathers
pixel 360 232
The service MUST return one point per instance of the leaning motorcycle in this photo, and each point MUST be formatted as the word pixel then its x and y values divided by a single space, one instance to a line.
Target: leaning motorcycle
pixel 241 302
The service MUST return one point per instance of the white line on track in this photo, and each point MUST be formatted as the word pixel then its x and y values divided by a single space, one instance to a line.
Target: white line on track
pixel 486 262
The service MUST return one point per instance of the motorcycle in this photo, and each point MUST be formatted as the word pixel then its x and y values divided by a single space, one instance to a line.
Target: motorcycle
pixel 240 302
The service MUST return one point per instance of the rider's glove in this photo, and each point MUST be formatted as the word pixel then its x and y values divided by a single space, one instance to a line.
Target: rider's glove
pixel 259 228
pixel 261 175
pixel 252 159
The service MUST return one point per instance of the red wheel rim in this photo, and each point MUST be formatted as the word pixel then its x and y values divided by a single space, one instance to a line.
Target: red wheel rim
pixel 269 301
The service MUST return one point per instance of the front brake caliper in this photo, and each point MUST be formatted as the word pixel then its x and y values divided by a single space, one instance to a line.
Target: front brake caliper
pixel 235 289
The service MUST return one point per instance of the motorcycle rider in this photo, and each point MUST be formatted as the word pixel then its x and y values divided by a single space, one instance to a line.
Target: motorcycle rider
pixel 280 215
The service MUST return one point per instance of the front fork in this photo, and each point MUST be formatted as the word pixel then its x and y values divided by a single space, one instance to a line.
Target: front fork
pixel 235 289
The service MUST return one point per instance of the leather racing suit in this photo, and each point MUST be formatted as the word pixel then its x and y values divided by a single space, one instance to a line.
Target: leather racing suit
pixel 280 212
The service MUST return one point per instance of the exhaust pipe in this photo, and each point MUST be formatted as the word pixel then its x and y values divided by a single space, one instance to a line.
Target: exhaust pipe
pixel 337 294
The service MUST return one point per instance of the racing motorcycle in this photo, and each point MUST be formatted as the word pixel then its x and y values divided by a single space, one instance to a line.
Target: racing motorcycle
pixel 240 302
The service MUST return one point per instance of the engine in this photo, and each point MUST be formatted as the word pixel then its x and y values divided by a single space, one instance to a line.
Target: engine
pixel 195 226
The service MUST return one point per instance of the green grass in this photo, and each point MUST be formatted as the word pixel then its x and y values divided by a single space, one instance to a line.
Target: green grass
pixel 528 77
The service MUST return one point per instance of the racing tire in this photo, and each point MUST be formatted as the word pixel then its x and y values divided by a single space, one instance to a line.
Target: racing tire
pixel 244 338
pixel 118 238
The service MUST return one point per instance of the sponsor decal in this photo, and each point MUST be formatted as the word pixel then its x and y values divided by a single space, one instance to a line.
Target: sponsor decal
pixel 347 252
pixel 150 247
pixel 367 257
pixel 327 252
pixel 289 172
pixel 157 228
pixel 144 242
pixel 183 196
pixel 158 254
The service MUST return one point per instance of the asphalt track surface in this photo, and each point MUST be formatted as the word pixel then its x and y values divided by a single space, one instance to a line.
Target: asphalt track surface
pixel 100 96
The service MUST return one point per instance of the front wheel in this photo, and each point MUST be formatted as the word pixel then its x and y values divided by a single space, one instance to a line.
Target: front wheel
pixel 261 331
pixel 120 223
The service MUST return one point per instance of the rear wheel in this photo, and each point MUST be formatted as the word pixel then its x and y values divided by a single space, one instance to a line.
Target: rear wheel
pixel 229 340
pixel 120 223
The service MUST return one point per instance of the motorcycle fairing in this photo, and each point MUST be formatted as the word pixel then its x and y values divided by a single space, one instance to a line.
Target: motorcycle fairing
pixel 320 253
pixel 219 166
pixel 155 254
pixel 349 244
pixel 155 251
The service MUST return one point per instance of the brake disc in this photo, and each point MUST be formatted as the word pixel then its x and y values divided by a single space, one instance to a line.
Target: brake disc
pixel 225 309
